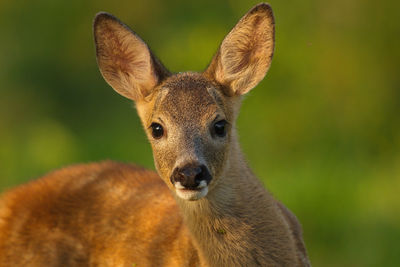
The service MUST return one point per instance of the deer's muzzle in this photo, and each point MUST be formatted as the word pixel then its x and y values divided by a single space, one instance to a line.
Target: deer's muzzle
pixel 191 181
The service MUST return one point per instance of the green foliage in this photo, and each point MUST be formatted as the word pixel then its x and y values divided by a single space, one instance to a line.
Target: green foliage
pixel 322 130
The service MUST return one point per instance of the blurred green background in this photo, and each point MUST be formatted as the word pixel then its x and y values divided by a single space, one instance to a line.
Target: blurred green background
pixel 322 130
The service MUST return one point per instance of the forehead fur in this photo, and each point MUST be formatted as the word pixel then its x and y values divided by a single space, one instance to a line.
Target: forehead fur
pixel 189 97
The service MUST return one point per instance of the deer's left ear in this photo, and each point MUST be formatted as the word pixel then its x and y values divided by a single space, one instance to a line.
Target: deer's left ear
pixel 246 52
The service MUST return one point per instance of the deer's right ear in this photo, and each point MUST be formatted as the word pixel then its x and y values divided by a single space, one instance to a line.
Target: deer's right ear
pixel 125 61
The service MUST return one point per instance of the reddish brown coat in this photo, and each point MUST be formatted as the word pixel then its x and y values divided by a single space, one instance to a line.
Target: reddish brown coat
pixel 113 214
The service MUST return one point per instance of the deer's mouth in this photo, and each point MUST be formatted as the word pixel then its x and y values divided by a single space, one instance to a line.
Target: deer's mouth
pixel 191 193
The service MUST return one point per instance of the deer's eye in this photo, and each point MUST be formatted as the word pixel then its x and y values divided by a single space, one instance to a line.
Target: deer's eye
pixel 157 130
pixel 220 128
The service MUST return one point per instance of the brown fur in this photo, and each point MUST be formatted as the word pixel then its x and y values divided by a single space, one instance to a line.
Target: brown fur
pixel 246 52
pixel 111 214
pixel 102 214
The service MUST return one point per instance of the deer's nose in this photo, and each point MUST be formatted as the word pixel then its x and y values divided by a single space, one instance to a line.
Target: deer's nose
pixel 190 176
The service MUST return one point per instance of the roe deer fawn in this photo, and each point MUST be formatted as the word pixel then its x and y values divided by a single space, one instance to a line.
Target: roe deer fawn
pixel 208 208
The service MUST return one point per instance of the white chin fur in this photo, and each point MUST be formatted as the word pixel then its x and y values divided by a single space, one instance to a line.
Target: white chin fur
pixel 192 194
pixel 187 194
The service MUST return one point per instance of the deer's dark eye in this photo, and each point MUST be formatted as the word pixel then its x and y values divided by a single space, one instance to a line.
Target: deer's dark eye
pixel 157 130
pixel 220 128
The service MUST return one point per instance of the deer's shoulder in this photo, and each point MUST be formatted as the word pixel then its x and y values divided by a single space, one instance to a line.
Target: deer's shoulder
pixel 104 186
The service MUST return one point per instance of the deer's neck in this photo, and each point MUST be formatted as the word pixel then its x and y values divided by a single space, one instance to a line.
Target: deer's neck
pixel 238 220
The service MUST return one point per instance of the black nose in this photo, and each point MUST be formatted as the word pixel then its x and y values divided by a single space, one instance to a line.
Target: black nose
pixel 191 175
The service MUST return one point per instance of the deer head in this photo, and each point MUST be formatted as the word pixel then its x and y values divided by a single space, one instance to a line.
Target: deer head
pixel 189 117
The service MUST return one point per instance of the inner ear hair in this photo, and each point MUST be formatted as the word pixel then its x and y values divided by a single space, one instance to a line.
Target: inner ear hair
pixel 124 59
pixel 245 54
